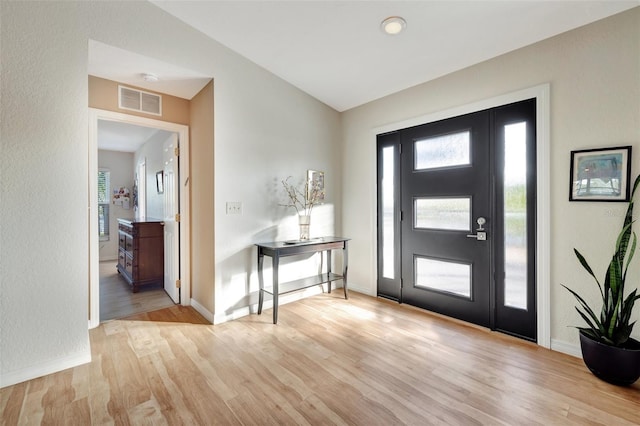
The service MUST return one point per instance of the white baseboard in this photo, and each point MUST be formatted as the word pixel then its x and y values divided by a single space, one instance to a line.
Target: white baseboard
pixel 48 367
pixel 237 313
pixel 566 348
pixel 202 310
pixel 363 290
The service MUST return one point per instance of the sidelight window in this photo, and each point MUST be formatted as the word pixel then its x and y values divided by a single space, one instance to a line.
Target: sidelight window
pixel 388 212
pixel 515 215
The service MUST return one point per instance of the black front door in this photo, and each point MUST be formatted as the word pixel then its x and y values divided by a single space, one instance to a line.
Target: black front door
pixel 446 267
pixel 456 217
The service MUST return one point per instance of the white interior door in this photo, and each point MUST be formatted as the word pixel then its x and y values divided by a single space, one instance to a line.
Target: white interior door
pixel 141 181
pixel 171 226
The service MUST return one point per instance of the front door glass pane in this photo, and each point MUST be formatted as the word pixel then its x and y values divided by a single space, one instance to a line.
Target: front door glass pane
pixel 443 151
pixel 388 205
pixel 515 215
pixel 442 213
pixel 448 277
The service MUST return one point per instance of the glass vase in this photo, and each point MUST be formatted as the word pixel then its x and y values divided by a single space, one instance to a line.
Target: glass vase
pixel 304 221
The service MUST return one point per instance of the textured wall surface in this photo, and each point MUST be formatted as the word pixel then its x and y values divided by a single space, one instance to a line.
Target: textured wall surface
pixel 43 215
pixel 594 74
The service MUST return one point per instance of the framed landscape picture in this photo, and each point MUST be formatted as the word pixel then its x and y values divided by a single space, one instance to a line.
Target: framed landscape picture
pixel 600 174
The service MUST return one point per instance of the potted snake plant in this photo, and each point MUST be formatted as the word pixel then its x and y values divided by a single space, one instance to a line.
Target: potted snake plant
pixel 608 349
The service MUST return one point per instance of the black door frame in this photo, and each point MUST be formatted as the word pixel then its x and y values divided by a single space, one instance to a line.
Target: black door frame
pixel 391 287
pixel 510 320
pixel 542 94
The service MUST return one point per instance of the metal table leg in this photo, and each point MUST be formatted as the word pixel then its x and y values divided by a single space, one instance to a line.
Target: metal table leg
pixel 329 268
pixel 260 280
pixel 276 261
pixel 345 262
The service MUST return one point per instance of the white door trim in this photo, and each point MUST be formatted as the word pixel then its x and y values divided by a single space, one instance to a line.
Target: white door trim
pixel 543 214
pixel 185 202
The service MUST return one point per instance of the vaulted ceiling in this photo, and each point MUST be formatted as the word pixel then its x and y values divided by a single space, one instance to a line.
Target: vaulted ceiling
pixel 335 51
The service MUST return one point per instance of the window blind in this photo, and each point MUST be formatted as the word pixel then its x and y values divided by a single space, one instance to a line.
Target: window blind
pixel 104 189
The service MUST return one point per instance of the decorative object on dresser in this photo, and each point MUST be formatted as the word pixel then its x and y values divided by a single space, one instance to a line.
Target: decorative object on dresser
pixel 141 252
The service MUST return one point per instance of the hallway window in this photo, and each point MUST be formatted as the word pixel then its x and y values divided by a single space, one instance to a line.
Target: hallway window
pixel 104 188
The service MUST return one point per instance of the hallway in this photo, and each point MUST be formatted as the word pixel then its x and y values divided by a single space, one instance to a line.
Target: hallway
pixel 117 300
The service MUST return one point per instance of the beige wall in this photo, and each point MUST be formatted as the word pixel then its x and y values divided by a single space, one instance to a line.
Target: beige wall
pixel 202 188
pixel 103 94
pixel 594 76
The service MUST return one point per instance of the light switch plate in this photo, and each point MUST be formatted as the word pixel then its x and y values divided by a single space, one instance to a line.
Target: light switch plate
pixel 234 207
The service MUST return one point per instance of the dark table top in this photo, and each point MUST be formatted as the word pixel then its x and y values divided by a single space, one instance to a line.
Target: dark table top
pixel 288 243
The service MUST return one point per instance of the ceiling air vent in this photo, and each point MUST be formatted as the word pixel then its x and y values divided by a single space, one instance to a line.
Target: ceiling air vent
pixel 137 100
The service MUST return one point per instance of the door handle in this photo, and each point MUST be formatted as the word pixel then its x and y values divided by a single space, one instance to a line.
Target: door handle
pixel 480 236
pixel 481 233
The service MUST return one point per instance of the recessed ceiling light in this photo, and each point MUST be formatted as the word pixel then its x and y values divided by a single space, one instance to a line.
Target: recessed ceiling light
pixel 393 25
pixel 150 78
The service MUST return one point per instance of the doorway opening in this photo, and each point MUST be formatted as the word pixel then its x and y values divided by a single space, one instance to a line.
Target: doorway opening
pixel 170 140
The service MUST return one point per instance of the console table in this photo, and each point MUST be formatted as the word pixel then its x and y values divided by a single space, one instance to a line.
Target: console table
pixel 279 249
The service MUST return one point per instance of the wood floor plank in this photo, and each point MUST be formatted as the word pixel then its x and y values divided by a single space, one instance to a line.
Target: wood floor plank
pixel 194 390
pixel 100 392
pixel 118 301
pixel 166 392
pixel 12 403
pixel 32 408
pixel 361 361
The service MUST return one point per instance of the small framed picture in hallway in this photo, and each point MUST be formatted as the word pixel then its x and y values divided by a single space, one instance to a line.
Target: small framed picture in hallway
pixel 160 182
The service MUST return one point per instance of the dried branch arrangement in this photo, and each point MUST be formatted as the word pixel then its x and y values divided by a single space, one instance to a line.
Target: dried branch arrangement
pixel 303 200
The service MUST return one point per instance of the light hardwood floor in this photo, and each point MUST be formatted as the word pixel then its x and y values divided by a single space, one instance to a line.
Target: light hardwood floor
pixel 118 301
pixel 361 361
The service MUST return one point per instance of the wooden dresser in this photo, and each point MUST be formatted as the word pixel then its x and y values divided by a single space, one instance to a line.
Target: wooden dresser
pixel 141 252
